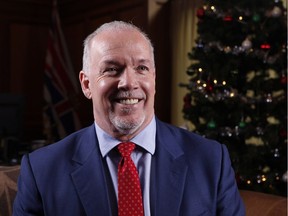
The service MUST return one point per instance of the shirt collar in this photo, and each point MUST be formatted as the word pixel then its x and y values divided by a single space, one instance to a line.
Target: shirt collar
pixel 145 139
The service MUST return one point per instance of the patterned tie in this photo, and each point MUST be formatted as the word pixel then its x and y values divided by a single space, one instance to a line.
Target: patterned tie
pixel 129 189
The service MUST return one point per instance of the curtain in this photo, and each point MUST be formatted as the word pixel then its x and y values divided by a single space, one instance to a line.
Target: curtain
pixel 184 32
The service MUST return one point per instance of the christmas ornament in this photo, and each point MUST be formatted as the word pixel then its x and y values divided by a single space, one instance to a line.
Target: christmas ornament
pixel 227 18
pixel 246 44
pixel 256 141
pixel 227 49
pixel 211 124
pixel 276 94
pixel 200 13
pixel 250 76
pixel 256 18
pixel 248 119
pixel 265 46
pixel 209 87
pixel 283 79
pixel 272 120
pixel 266 169
pixel 271 74
pixel 276 12
pixel 202 120
pixel 242 124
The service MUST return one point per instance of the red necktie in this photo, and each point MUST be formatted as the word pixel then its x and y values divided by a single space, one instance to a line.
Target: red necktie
pixel 129 189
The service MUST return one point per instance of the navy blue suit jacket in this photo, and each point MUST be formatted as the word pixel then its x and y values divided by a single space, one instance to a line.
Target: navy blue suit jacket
pixel 190 176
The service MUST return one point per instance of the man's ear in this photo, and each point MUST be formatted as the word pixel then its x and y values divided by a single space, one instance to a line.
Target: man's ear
pixel 84 80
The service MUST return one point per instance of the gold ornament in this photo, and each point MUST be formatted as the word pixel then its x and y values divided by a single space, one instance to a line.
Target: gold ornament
pixel 256 141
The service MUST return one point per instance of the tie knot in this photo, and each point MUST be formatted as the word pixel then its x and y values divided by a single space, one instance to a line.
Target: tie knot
pixel 126 148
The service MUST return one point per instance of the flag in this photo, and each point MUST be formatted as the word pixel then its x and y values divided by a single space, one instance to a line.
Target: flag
pixel 60 85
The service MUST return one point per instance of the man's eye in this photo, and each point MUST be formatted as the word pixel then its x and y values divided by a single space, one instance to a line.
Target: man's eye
pixel 142 68
pixel 111 70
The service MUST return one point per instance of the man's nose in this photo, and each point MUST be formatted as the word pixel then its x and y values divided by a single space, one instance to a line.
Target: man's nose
pixel 128 79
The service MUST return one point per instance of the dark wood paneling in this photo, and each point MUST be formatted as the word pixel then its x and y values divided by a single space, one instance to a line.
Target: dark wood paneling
pixel 76 11
pixel 4 57
pixel 27 57
pixel 25 11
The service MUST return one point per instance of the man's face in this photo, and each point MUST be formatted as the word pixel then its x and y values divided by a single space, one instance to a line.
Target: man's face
pixel 121 82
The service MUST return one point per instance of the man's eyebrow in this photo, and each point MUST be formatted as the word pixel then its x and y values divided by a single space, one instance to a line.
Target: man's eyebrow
pixel 115 62
pixel 144 61
pixel 111 62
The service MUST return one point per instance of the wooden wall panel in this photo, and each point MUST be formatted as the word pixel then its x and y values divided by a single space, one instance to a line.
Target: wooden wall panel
pixel 27 58
pixel 4 58
pixel 25 11
pixel 23 36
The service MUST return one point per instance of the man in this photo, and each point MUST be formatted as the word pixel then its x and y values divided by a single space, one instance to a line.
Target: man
pixel 180 173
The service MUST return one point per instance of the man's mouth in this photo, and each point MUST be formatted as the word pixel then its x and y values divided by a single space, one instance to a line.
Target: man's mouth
pixel 129 101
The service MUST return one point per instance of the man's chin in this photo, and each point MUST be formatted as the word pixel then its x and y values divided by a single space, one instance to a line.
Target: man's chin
pixel 127 126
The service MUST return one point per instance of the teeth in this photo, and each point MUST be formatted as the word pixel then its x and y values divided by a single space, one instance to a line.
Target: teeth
pixel 129 101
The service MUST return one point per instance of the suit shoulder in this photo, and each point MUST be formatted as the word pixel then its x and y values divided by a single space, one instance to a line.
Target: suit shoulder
pixel 62 148
pixel 186 137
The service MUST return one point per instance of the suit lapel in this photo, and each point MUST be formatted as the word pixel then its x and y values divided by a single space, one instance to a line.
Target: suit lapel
pixel 168 174
pixel 89 176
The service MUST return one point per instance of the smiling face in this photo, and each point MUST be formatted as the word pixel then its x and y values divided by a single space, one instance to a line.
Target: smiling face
pixel 120 82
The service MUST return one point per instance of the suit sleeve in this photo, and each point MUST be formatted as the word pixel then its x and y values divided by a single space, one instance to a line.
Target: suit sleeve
pixel 229 201
pixel 27 200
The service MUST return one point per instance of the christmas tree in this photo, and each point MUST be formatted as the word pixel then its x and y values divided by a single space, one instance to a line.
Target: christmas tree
pixel 237 88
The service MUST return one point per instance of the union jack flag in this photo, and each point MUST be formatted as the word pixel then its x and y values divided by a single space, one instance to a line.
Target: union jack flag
pixel 60 85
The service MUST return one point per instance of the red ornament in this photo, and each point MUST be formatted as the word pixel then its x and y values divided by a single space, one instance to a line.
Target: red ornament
pixel 228 18
pixel 283 133
pixel 200 13
pixel 209 87
pixel 283 80
pixel 187 102
pixel 187 98
pixel 265 46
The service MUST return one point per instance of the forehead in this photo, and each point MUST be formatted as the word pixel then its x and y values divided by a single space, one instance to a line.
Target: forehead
pixel 113 41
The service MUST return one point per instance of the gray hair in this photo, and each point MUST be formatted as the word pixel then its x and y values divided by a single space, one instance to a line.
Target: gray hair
pixel 114 25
